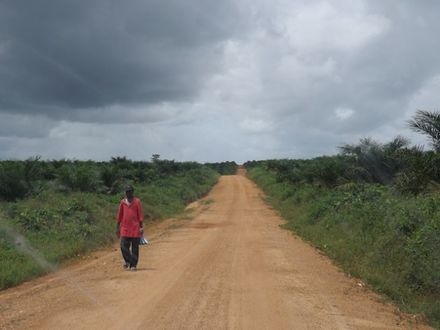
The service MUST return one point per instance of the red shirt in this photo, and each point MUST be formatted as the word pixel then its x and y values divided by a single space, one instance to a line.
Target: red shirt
pixel 130 217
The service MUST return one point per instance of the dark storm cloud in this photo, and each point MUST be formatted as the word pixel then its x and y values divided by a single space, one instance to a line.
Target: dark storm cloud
pixel 58 57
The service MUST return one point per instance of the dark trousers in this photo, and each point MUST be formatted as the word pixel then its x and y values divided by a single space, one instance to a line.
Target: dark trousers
pixel 131 256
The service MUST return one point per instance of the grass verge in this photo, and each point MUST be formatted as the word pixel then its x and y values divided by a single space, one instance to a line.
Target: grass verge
pixel 389 240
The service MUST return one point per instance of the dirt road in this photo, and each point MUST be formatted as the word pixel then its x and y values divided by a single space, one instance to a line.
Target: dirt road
pixel 229 266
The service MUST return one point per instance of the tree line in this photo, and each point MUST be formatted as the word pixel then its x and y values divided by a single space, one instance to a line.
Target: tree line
pixel 20 179
pixel 410 169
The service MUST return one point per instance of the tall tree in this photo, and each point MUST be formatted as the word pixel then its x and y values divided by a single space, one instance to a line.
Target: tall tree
pixel 427 123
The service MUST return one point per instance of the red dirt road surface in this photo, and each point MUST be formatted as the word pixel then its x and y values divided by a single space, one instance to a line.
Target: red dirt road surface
pixel 226 266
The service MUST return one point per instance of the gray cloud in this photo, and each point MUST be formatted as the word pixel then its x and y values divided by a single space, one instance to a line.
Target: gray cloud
pixel 16 126
pixel 58 57
pixel 374 72
pixel 210 81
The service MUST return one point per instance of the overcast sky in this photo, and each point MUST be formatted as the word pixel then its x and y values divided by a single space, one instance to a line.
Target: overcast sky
pixel 208 81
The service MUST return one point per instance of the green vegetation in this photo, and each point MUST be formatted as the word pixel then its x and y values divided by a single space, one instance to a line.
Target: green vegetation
pixel 374 208
pixel 224 168
pixel 68 208
pixel 427 123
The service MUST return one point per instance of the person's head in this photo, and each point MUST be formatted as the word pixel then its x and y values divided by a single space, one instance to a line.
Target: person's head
pixel 129 191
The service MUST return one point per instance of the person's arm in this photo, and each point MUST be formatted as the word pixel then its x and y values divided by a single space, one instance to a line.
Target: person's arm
pixel 119 219
pixel 118 229
pixel 140 216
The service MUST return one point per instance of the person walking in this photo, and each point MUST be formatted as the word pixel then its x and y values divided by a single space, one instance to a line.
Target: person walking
pixel 130 228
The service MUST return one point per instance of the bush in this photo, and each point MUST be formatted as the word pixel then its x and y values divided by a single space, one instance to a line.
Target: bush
pixel 12 181
pixel 421 170
pixel 79 177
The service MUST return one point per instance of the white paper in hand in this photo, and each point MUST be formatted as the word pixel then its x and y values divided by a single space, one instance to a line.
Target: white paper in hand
pixel 144 241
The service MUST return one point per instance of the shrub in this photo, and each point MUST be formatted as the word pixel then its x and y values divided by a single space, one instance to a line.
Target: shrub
pixel 12 181
pixel 79 177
